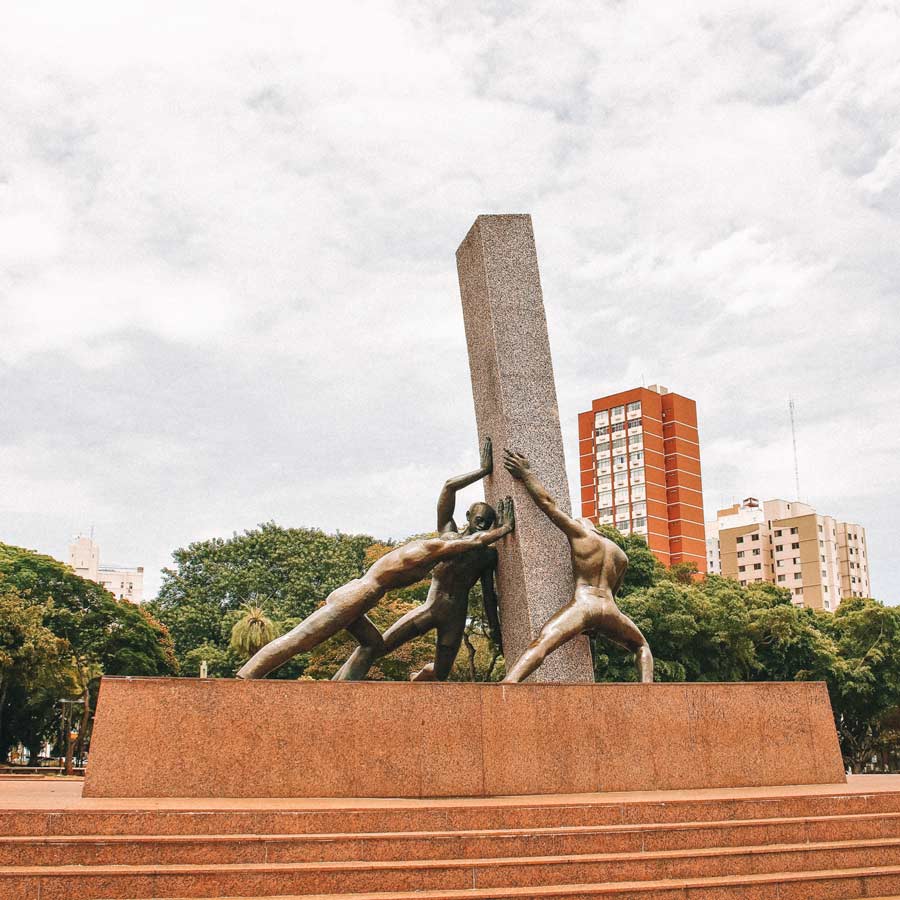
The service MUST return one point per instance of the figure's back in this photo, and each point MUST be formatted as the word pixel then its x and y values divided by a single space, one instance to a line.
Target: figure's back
pixel 597 561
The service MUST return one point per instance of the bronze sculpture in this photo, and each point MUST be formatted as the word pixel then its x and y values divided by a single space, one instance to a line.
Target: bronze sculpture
pixel 446 607
pixel 599 567
pixel 346 607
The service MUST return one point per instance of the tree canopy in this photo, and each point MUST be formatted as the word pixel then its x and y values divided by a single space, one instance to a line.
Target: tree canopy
pixel 58 634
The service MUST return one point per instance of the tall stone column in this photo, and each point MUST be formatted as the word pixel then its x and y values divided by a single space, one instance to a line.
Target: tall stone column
pixel 515 405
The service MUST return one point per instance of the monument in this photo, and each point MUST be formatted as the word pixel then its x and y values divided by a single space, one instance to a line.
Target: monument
pixel 349 739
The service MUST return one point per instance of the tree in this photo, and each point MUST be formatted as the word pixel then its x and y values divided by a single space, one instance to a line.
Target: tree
pixel 94 633
pixel 865 686
pixel 32 659
pixel 252 631
pixel 286 571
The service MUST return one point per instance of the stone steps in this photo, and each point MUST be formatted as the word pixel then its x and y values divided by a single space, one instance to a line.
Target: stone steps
pixel 771 846
pixel 354 877
pixel 437 817
pixel 845 884
pixel 93 850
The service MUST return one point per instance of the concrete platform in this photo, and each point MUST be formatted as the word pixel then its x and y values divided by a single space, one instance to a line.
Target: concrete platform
pixel 182 737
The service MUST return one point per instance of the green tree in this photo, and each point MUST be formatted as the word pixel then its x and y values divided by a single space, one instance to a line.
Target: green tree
pixel 865 686
pixel 94 632
pixel 252 631
pixel 287 571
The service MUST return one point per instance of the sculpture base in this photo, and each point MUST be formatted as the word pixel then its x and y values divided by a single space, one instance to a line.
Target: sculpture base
pixel 186 737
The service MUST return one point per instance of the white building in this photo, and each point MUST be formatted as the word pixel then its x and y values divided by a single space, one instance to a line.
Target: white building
pixel 124 582
pixel 818 559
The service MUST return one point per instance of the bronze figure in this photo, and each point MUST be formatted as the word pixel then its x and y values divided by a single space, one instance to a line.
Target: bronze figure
pixel 346 607
pixel 446 607
pixel 599 567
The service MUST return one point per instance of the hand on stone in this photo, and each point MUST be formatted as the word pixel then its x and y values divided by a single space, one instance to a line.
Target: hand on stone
pixel 487 456
pixel 516 464
pixel 506 514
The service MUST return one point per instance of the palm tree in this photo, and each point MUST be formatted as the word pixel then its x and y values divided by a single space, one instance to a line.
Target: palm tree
pixel 252 631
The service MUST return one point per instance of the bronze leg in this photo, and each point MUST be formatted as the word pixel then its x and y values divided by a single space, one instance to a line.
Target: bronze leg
pixel 617 627
pixel 371 647
pixel 415 622
pixel 326 621
pixel 562 626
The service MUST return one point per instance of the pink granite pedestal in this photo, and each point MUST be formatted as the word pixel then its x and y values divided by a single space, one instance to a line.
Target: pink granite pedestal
pixel 187 737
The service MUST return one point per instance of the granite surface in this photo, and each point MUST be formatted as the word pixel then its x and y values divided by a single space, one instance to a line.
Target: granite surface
pixel 515 405
pixel 183 737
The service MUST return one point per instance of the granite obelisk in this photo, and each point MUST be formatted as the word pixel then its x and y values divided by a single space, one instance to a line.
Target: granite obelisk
pixel 515 405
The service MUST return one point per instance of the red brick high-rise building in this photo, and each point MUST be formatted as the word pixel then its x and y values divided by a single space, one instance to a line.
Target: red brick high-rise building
pixel 640 470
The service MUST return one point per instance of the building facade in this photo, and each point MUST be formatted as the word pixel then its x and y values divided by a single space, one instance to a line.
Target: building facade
pixel 818 559
pixel 124 582
pixel 639 454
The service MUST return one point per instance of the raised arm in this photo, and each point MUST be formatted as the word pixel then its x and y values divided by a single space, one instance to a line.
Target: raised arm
pixel 447 499
pixel 520 469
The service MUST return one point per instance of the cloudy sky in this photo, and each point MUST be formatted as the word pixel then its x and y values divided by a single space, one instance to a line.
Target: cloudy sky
pixel 227 233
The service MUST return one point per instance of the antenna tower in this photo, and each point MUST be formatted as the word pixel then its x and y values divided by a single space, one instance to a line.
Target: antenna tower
pixel 794 440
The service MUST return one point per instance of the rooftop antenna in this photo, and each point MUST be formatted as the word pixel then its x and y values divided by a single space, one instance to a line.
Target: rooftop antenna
pixel 791 408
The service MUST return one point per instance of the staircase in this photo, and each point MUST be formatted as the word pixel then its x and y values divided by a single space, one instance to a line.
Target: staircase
pixel 766 847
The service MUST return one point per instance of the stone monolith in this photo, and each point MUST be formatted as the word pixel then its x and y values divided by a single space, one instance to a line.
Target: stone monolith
pixel 515 405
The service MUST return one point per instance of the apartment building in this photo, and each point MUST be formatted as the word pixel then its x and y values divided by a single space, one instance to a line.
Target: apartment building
pixel 639 456
pixel 125 582
pixel 818 559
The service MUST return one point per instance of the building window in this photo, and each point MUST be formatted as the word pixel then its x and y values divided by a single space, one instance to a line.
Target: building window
pixel 740 554
pixel 617 427
pixel 742 568
pixel 603 448
pixel 778 533
pixel 754 537
pixel 795 546
pixel 604 499
pixel 605 511
pixel 639 493
pixel 823 559
pixel 622 526
pixel 640 523
pixel 795 530
pixel 797 576
pixel 637 459
pixel 756 551
pixel 618 411
pixel 604 483
pixel 782 577
pixel 780 564
pixel 757 566
pixel 740 540
pixel 820 528
pixel 637 476
pixel 779 548
pixel 619 445
pixel 634 406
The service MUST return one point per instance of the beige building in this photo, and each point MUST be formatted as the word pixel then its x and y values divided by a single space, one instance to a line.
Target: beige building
pixel 818 559
pixel 124 582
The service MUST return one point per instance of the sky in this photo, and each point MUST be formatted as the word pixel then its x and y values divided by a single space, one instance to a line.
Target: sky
pixel 228 290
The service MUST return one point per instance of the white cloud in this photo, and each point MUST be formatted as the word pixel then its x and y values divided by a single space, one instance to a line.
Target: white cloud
pixel 227 283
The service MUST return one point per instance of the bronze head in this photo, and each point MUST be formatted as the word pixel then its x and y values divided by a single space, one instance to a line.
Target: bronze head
pixel 480 517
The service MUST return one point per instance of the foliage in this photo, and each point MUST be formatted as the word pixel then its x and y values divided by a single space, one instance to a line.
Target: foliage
pixel 286 571
pixel 252 632
pixel 61 633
